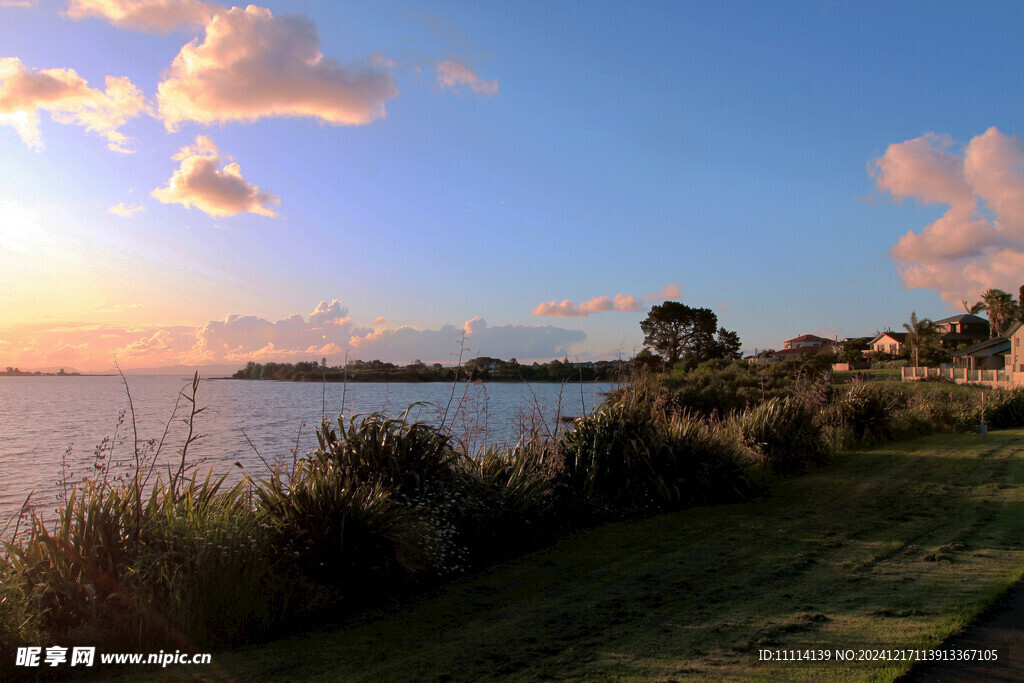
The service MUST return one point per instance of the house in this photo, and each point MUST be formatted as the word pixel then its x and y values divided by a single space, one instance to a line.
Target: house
pixel 888 342
pixel 962 330
pixel 987 355
pixel 997 362
pixel 806 341
pixel 1015 357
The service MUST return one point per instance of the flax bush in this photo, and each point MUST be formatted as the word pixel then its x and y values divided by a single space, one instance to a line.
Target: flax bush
pixel 346 535
pixel 785 435
pixel 193 534
pixel 403 457
pixel 1004 408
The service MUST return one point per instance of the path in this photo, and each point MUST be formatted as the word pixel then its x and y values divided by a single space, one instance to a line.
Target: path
pixel 1001 628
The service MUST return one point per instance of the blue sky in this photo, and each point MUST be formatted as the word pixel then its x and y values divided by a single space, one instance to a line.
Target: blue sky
pixel 585 150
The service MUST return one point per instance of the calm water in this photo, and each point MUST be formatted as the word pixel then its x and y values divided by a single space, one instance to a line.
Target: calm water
pixel 44 418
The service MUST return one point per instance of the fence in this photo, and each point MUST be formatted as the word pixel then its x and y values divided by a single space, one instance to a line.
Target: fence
pixel 958 375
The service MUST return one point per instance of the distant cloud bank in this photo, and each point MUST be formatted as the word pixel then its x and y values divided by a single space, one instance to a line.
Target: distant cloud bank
pixel 978 242
pixel 327 331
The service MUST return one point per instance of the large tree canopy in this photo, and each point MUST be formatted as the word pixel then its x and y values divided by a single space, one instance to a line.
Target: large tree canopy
pixel 676 331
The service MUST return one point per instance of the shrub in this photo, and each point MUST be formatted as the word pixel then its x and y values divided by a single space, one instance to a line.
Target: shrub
pixel 337 532
pixel 710 464
pixel 523 509
pixel 613 460
pixel 866 412
pixel 192 535
pixel 784 435
pixel 1004 408
pixel 402 457
pixel 631 457
pixel 71 572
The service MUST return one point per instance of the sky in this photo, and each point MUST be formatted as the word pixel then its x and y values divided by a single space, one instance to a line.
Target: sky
pixel 190 183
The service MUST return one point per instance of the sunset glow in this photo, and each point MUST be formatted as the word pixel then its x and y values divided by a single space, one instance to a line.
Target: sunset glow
pixel 187 183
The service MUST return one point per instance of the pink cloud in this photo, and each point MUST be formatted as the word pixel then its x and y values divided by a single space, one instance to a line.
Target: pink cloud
pixel 161 16
pixel 327 331
pixel 69 99
pixel 979 242
pixel 201 182
pixel 452 75
pixel 600 304
pixel 670 292
pixel 123 211
pixel 252 64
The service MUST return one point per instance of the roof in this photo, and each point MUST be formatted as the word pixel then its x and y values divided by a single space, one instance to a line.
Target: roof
pixel 962 318
pixel 990 347
pixel 799 351
pixel 957 337
pixel 1009 331
pixel 809 338
pixel 900 337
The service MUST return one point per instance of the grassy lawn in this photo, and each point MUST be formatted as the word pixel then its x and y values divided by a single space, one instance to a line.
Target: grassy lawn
pixel 872 375
pixel 896 546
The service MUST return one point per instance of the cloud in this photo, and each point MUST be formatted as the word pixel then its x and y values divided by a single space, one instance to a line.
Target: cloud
pixel 69 99
pixel 452 74
pixel 567 309
pixel 120 209
pixel 327 331
pixel 668 292
pixel 160 16
pixel 621 302
pixel 380 321
pixel 17 3
pixel 524 342
pixel 331 332
pixel 978 242
pixel 201 182
pixel 157 343
pixel 252 64
pixel 248 337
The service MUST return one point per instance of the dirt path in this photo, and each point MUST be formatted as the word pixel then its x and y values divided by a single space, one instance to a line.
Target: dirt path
pixel 1000 628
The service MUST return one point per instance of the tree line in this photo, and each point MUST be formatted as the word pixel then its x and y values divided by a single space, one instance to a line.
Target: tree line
pixel 482 368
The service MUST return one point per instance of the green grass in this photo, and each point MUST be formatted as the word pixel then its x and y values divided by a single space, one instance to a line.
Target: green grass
pixel 898 546
pixel 872 374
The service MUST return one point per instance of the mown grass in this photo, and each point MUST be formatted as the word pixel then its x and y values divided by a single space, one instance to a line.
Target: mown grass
pixel 896 546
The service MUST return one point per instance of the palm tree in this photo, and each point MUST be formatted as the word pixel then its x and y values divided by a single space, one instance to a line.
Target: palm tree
pixel 1001 310
pixel 920 333
pixel 975 308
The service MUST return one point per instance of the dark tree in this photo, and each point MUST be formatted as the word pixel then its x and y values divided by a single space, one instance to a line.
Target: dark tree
pixel 646 361
pixel 676 331
pixel 727 344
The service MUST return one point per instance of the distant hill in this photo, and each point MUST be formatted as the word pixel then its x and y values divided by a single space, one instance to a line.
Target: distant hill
pixel 212 370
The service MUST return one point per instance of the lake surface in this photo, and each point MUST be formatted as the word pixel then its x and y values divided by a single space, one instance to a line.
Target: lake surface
pixel 45 421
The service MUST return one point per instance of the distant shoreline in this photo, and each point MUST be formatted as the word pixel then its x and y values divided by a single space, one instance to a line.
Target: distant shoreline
pixel 407 380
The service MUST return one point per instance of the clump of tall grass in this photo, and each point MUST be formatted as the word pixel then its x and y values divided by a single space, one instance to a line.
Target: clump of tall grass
pixel 195 532
pixel 785 435
pixel 710 463
pixel 328 529
pixel 1004 408
pixel 631 456
pixel 862 414
pixel 402 456
pixel 19 625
